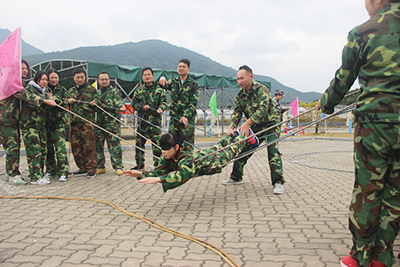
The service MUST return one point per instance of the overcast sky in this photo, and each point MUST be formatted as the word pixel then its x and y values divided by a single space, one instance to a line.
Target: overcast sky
pixel 297 42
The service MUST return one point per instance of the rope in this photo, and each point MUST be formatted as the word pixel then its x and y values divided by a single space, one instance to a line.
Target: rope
pixel 105 130
pixel 152 223
pixel 319 168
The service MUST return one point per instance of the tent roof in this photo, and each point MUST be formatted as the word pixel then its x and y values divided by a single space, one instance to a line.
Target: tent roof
pixel 134 74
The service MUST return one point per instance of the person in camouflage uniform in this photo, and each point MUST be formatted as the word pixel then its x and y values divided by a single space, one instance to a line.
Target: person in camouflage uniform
pixel 112 102
pixel 278 96
pixel 33 129
pixel 147 96
pixel 10 109
pixel 255 102
pixel 82 99
pixel 372 54
pixel 184 97
pixel 179 164
pixel 56 120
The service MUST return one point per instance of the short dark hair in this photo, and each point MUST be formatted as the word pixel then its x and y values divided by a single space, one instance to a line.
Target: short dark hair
pixel 103 72
pixel 78 70
pixel 39 75
pixel 394 1
pixel 147 68
pixel 171 139
pixel 186 61
pixel 49 71
pixel 246 68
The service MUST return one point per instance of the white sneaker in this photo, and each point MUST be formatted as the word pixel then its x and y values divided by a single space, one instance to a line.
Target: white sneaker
pixel 63 178
pixel 42 181
pixel 229 181
pixel 279 189
pixel 49 175
pixel 16 180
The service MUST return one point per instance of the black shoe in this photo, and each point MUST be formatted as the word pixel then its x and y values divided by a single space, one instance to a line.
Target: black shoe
pixel 138 168
pixel 91 175
pixel 80 173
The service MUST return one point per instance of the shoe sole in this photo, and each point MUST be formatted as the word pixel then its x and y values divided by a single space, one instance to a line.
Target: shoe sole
pixel 81 174
pixel 278 193
pixel 233 183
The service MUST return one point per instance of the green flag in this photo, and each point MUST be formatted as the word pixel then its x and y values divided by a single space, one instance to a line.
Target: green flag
pixel 213 104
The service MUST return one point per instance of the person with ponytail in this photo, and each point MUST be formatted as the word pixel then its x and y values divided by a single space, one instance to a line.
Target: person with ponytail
pixel 178 164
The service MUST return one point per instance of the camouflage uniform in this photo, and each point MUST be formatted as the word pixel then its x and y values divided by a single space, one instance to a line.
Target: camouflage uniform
pixel 154 96
pixel 183 103
pixel 279 109
pixel 10 127
pixel 177 171
pixel 258 106
pixel 33 129
pixel 82 133
pixel 56 120
pixel 109 98
pixel 373 53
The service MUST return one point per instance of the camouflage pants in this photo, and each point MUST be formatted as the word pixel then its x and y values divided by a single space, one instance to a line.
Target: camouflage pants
pixel 151 133
pixel 274 159
pixel 375 206
pixel 35 140
pixel 113 144
pixel 56 150
pixel 10 139
pixel 188 131
pixel 83 146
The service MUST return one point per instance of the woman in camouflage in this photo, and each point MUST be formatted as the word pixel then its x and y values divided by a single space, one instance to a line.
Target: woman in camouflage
pixel 178 165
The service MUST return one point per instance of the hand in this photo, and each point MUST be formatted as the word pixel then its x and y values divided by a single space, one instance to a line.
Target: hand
pixel 150 180
pixel 318 106
pixel 244 129
pixel 184 121
pixel 146 107
pixel 133 173
pixel 71 100
pixel 92 103
pixel 50 102
pixel 287 109
pixel 159 110
pixel 123 108
pixel 162 81
pixel 231 130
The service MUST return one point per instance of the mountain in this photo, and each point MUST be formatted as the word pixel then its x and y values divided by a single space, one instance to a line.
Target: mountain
pixel 27 49
pixel 161 55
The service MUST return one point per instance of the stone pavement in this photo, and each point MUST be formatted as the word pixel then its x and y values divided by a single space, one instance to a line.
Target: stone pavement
pixel 306 226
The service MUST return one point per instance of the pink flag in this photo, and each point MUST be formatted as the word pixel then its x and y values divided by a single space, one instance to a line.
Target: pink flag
pixel 10 65
pixel 295 107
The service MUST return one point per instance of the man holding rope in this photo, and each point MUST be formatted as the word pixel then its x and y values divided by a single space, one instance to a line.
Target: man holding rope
pixel 372 54
pixel 82 133
pixel 149 103
pixel 255 102
pixel 110 100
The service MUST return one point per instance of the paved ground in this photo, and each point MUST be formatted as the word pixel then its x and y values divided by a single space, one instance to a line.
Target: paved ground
pixel 306 226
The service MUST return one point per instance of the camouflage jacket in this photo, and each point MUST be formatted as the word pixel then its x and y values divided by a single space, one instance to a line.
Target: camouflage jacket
pixel 10 107
pixel 113 102
pixel 32 115
pixel 183 98
pixel 278 108
pixel 372 53
pixel 256 105
pixel 154 97
pixel 55 115
pixel 86 93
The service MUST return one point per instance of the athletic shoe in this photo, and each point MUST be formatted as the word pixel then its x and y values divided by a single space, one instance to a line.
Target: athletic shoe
pixel 63 178
pixel 348 261
pixel 119 172
pixel 101 170
pixel 375 263
pixel 42 181
pixel 16 180
pixel 80 173
pixel 253 140
pixel 138 168
pixel 279 189
pixel 91 175
pixel 229 181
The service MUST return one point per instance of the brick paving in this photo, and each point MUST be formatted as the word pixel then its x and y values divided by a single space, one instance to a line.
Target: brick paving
pixel 306 226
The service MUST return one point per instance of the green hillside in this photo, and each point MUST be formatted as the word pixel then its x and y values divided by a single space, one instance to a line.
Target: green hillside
pixel 161 55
